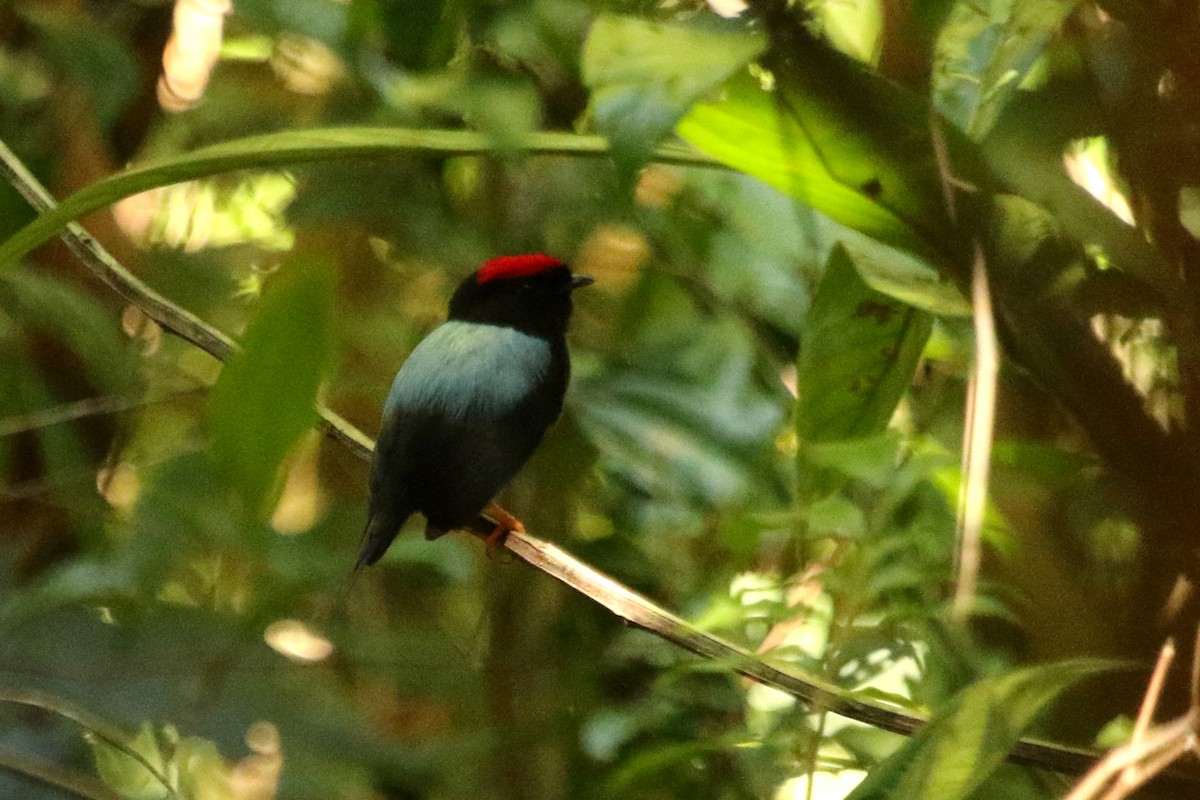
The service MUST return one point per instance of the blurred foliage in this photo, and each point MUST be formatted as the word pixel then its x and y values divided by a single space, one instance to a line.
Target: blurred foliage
pixel 764 425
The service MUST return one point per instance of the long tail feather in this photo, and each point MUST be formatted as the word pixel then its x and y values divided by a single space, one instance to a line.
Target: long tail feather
pixel 380 531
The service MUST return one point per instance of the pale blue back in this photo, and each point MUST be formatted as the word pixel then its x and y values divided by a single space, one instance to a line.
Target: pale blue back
pixel 466 370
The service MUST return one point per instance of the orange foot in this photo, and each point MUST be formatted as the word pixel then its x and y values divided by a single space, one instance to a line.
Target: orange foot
pixel 506 523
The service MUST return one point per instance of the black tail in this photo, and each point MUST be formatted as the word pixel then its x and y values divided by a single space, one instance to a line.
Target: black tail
pixel 381 530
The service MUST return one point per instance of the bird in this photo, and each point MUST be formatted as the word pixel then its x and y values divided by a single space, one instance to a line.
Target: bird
pixel 472 402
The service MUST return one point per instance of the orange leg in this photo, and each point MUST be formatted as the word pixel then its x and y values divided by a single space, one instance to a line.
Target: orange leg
pixel 506 523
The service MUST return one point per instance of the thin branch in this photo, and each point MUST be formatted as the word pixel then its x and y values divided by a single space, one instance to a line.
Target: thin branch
pixel 1150 749
pixel 1153 691
pixel 1159 740
pixel 171 317
pixel 977 439
pixel 100 728
pixel 81 409
pixel 543 556
pixel 82 786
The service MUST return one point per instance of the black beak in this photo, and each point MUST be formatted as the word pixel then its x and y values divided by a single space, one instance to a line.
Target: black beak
pixel 580 281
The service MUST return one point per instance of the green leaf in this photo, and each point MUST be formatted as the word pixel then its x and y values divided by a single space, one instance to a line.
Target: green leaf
pixel 984 51
pixel 675 436
pixel 840 137
pixel 966 742
pixel 263 401
pixel 273 150
pixel 904 276
pixel 858 352
pixel 683 414
pixel 125 774
pixel 801 139
pixel 872 459
pixel 836 515
pixel 747 130
pixel 644 75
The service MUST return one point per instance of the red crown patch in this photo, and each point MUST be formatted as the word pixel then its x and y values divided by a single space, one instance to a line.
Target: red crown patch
pixel 515 267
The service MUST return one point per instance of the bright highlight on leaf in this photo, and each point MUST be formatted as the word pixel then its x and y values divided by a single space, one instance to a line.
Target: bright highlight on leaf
pixel 297 641
pixel 984 52
pixel 645 75
pixel 1087 162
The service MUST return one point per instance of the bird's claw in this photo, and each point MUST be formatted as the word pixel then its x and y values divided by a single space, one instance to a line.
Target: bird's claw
pixel 506 523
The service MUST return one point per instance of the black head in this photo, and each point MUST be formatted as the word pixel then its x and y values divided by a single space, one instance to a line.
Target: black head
pixel 531 293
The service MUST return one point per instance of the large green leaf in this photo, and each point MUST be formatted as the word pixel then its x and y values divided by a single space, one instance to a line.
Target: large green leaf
pixel 872 171
pixel 746 129
pixel 829 131
pixel 644 75
pixel 858 351
pixel 967 741
pixel 263 401
pixel 984 51
pixel 297 147
pixel 860 149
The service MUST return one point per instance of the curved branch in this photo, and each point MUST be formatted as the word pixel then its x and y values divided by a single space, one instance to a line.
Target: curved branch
pixel 285 148
pixel 81 786
pixel 543 556
pixel 101 729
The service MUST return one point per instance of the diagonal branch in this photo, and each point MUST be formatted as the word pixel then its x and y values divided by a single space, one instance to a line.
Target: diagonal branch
pixel 543 556
pixel 96 726
pixel 84 787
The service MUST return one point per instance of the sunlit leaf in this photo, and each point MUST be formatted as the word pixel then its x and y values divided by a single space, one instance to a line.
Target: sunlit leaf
pixel 746 129
pixel 829 132
pixel 1025 149
pixel 871 170
pixel 644 75
pixel 967 741
pixel 904 276
pixel 263 402
pixel 127 775
pixel 984 51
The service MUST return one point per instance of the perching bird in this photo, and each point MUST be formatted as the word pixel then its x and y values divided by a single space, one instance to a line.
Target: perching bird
pixel 472 402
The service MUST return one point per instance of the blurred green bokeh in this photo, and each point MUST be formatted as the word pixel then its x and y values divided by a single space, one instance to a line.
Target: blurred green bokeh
pixel 763 429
